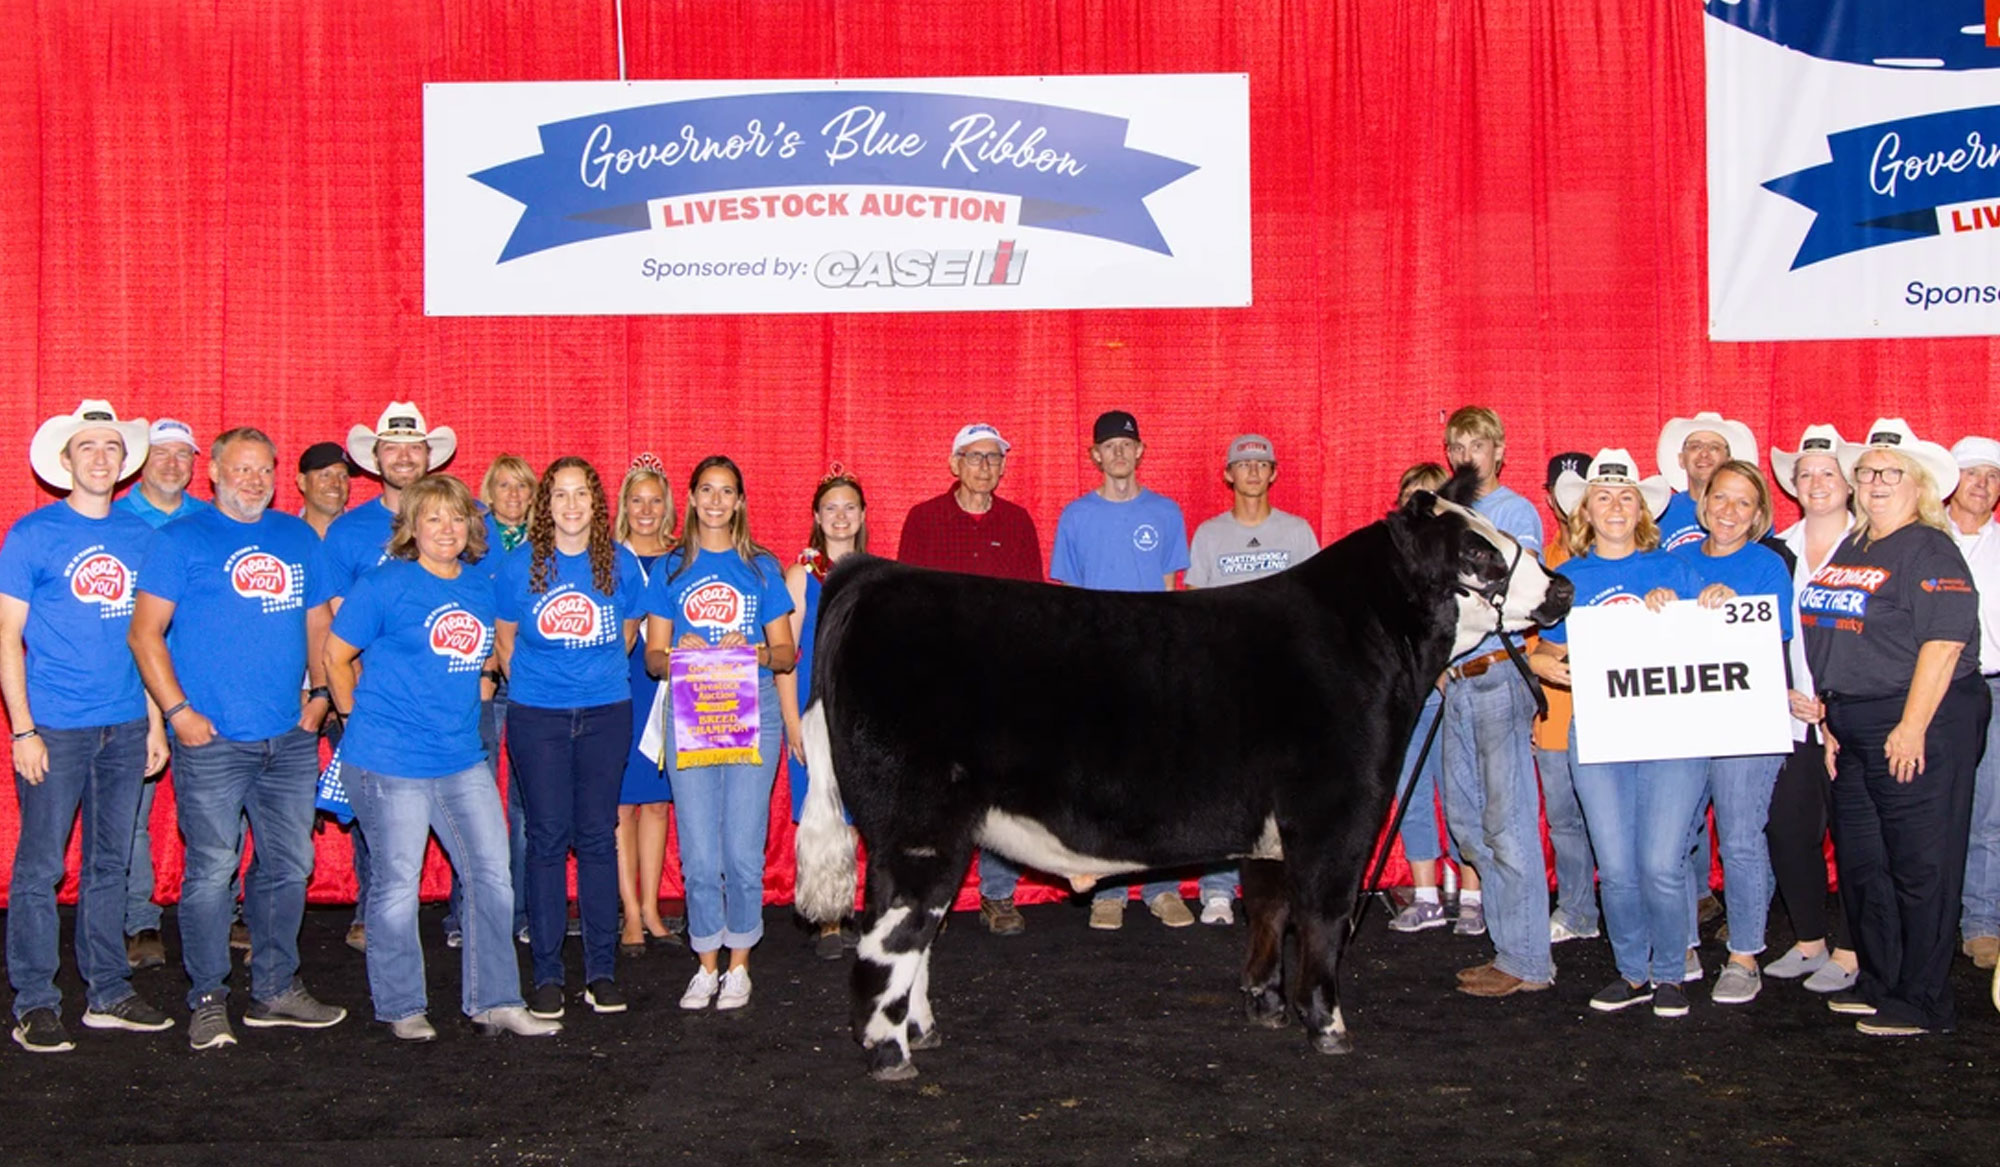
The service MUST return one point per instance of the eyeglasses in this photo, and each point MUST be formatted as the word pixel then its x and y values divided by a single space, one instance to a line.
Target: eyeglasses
pixel 983 460
pixel 1890 475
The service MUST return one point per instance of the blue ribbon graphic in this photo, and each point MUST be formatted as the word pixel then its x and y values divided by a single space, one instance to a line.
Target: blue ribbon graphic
pixel 1887 180
pixel 1085 179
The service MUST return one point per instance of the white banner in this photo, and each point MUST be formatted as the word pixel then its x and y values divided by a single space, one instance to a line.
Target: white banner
pixel 1684 682
pixel 954 194
pixel 1853 169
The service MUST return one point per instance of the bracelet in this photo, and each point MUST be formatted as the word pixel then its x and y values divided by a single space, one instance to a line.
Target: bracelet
pixel 318 692
pixel 25 734
pixel 169 714
pixel 340 715
pixel 493 675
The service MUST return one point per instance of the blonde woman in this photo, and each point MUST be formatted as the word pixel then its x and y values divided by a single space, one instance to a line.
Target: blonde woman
pixel 645 528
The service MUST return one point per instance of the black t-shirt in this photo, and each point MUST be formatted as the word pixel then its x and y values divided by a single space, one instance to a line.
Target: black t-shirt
pixel 1868 611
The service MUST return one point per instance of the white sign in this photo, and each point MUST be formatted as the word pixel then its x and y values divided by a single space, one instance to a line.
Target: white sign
pixel 1853 169
pixel 954 194
pixel 1683 682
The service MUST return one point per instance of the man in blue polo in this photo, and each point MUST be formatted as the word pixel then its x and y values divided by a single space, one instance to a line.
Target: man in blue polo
pixel 84 736
pixel 229 601
pixel 159 497
pixel 1122 537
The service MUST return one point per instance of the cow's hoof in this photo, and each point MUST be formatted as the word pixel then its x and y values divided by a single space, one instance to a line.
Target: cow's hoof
pixel 1333 1043
pixel 921 1039
pixel 888 1063
pixel 901 1072
pixel 1266 1012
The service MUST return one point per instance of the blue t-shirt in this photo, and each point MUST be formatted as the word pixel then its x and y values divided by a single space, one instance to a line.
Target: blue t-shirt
pixel 1680 523
pixel 423 643
pixel 717 595
pixel 79 577
pixel 1119 546
pixel 1622 581
pixel 1751 570
pixel 355 543
pixel 240 593
pixel 569 651
pixel 1516 516
pixel 135 502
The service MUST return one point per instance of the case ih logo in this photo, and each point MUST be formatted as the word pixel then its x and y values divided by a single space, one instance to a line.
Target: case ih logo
pixel 101 579
pixel 261 576
pixel 570 616
pixel 915 268
pixel 459 637
pixel 715 603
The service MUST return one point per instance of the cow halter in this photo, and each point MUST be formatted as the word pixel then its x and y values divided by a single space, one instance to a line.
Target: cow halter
pixel 1495 595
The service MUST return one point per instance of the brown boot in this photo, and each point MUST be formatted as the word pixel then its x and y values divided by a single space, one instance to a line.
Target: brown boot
pixel 1001 917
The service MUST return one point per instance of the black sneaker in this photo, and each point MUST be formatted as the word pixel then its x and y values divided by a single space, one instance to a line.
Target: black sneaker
pixel 1850 1004
pixel 546 1002
pixel 1620 994
pixel 1670 1000
pixel 602 995
pixel 133 1014
pixel 42 1032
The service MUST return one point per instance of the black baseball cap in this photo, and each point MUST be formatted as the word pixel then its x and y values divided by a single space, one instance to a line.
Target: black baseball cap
pixel 1575 461
pixel 1114 424
pixel 320 455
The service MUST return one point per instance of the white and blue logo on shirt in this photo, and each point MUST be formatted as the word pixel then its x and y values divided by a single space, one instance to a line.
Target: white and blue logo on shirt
pixel 1145 536
pixel 96 576
pixel 256 574
pixel 571 619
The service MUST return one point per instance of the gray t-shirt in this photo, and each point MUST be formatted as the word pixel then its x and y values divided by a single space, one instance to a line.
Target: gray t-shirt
pixel 1225 551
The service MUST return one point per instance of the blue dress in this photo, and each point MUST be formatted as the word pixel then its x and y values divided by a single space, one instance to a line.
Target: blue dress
pixel 645 780
pixel 799 778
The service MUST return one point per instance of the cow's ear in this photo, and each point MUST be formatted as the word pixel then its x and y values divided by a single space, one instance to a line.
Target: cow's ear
pixel 1421 504
pixel 1463 488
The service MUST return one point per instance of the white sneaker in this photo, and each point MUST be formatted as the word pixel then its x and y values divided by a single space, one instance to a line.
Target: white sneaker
pixel 1559 931
pixel 1218 911
pixel 735 989
pixel 700 990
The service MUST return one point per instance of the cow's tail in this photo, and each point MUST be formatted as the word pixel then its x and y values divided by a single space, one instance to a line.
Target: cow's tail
pixel 826 861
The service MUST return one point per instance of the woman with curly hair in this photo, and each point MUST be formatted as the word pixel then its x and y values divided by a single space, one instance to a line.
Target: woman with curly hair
pixel 569 609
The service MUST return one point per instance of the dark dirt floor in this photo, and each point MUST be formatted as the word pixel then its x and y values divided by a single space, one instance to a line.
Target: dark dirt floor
pixel 1062 1046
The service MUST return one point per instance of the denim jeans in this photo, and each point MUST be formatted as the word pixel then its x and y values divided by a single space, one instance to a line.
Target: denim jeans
pixel 1741 789
pixel 141 912
pixel 1148 891
pixel 273 781
pixel 1493 806
pixel 1576 866
pixel 1638 814
pixel 997 876
pixel 1419 831
pixel 399 815
pixel 724 814
pixel 492 716
pixel 1980 901
pixel 570 765
pixel 99 770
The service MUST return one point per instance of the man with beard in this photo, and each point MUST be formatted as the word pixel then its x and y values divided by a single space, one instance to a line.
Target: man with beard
pixel 1689 451
pixel 244 592
pixel 1970 510
pixel 400 450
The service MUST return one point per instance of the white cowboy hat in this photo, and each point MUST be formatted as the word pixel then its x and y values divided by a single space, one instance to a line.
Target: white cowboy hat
pixel 1818 439
pixel 45 452
pixel 1611 467
pixel 1893 433
pixel 401 422
pixel 1742 443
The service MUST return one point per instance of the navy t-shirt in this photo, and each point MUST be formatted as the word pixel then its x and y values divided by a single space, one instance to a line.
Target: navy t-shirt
pixel 240 593
pixel 1751 570
pixel 718 594
pixel 1866 613
pixel 79 577
pixel 1622 581
pixel 569 651
pixel 423 641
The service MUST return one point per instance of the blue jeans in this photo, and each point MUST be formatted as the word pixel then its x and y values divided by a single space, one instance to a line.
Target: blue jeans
pixel 997 876
pixel 1638 814
pixel 1493 807
pixel 724 815
pixel 1576 866
pixel 100 770
pixel 399 815
pixel 570 765
pixel 273 781
pixel 1980 902
pixel 492 716
pixel 1741 789
pixel 1419 831
pixel 141 913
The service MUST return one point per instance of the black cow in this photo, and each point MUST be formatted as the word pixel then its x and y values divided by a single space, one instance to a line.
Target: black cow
pixel 1094 734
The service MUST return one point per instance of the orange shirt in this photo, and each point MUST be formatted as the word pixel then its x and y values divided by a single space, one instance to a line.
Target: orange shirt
pixel 1552 732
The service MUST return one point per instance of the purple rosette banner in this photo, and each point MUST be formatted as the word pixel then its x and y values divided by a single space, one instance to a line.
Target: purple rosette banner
pixel 967 194
pixel 714 694
pixel 1853 169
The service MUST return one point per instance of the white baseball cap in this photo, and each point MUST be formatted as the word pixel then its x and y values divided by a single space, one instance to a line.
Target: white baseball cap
pixel 168 429
pixel 979 431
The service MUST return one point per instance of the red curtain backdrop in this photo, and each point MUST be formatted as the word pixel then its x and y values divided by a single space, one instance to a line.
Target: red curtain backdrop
pixel 214 211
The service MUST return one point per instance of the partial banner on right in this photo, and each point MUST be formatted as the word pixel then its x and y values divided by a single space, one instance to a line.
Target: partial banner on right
pixel 1853 168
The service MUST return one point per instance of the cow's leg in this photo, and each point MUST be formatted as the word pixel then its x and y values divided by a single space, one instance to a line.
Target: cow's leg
pixel 923 1026
pixel 909 890
pixel 1268 909
pixel 1322 923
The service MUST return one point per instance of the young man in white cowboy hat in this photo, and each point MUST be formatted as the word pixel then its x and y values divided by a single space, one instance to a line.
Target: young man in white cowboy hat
pixel 84 734
pixel 1690 449
pixel 1492 800
pixel 243 589
pixel 159 497
pixel 1970 511
pixel 970 528
pixel 400 449
pixel 1249 540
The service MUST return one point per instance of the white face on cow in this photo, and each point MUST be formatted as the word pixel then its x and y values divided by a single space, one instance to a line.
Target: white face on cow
pixel 1526 583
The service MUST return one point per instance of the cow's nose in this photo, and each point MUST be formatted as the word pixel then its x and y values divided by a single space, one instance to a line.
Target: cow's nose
pixel 1555 605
